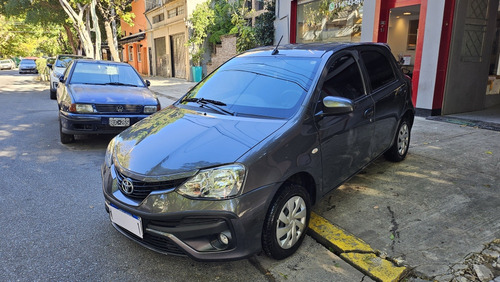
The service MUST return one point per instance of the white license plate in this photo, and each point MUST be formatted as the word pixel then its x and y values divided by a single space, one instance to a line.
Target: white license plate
pixel 126 220
pixel 119 122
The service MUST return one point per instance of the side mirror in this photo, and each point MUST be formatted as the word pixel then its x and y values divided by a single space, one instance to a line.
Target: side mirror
pixel 61 79
pixel 148 83
pixel 49 65
pixel 337 105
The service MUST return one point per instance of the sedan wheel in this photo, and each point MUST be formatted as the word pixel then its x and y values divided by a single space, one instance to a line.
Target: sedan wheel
pixel 65 138
pixel 286 222
pixel 401 144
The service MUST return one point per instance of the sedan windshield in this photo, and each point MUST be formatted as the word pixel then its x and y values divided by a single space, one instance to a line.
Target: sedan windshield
pixel 257 86
pixel 105 74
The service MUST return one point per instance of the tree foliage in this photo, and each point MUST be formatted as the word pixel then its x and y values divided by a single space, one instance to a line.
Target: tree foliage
pixel 264 25
pixel 200 21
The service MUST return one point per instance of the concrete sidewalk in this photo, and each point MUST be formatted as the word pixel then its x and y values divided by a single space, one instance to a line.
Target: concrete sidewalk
pixel 434 216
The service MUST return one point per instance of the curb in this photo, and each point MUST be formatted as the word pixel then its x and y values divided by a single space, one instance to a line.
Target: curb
pixel 354 250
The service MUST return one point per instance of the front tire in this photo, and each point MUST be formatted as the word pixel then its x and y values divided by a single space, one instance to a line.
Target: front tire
pixel 401 144
pixel 286 222
pixel 52 94
pixel 65 138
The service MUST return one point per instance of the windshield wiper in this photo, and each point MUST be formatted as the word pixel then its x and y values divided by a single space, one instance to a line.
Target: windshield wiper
pixel 212 104
pixel 121 84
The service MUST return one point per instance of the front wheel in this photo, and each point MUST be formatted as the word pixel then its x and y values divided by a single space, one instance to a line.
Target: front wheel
pixel 286 223
pixel 65 138
pixel 401 144
pixel 53 94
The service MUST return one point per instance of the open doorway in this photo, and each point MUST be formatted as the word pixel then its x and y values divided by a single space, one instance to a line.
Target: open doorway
pixel 402 35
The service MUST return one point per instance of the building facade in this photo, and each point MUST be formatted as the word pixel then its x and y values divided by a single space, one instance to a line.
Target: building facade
pixel 133 42
pixel 450 48
pixel 167 33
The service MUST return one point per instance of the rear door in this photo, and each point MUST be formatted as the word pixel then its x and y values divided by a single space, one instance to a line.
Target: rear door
pixel 388 91
pixel 345 139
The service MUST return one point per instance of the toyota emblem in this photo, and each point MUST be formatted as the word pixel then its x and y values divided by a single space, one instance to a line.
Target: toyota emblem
pixel 119 108
pixel 127 186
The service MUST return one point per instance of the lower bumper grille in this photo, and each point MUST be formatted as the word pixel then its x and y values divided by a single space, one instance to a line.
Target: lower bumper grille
pixel 155 242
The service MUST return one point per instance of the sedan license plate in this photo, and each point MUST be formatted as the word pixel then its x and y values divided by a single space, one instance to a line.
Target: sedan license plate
pixel 126 220
pixel 119 122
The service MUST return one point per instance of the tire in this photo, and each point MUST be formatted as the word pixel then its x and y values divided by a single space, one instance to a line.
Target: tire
pixel 281 237
pixel 65 138
pixel 52 94
pixel 401 143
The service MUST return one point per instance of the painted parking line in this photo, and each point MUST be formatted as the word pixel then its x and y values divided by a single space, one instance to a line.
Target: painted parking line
pixel 354 250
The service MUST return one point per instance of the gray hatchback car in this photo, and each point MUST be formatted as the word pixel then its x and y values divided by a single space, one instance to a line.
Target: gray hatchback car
pixel 233 167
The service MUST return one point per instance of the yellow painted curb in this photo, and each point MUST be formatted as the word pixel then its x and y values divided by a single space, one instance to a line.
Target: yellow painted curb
pixel 341 240
pixel 354 250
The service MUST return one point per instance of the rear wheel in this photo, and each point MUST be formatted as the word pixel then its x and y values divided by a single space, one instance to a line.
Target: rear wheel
pixel 286 223
pixel 401 144
pixel 65 138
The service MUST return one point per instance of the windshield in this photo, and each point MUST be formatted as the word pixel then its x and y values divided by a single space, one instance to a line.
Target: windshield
pixel 258 86
pixel 105 74
pixel 63 61
pixel 28 62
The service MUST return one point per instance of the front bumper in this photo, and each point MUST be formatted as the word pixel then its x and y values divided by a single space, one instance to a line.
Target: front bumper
pixel 93 124
pixel 174 224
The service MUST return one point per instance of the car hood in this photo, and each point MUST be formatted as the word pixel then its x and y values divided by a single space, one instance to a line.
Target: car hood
pixel 177 140
pixel 108 94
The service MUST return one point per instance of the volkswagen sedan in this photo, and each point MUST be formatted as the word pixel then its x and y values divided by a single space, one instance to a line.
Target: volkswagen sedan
pixel 101 97
pixel 233 167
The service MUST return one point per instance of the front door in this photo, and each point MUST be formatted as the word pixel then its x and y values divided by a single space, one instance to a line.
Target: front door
pixel 345 139
pixel 161 57
pixel 178 55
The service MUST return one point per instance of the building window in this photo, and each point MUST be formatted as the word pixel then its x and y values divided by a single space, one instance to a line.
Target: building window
pixel 175 12
pixel 158 18
pixel 321 21
pixel 130 53
pixel 139 54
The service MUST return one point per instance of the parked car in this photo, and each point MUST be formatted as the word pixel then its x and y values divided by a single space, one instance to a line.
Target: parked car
pixel 7 64
pixel 27 66
pixel 57 70
pixel 234 166
pixel 101 97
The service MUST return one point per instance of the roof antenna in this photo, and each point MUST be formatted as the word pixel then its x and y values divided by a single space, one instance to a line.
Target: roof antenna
pixel 275 51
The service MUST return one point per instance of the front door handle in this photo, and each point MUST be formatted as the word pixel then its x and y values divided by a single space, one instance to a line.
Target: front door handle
pixel 368 113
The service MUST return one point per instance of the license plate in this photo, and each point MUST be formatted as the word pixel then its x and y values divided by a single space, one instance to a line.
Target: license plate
pixel 119 122
pixel 126 220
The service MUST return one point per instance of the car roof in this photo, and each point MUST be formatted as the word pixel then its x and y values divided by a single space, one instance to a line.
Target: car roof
pixel 314 50
pixel 70 55
pixel 92 61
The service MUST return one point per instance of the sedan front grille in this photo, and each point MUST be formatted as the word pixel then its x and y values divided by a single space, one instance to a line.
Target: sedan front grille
pixel 142 189
pixel 104 108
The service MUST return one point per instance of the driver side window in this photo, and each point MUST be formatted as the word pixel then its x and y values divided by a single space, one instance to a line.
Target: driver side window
pixel 343 79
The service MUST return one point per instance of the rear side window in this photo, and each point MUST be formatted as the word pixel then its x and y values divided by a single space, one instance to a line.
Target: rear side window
pixel 379 69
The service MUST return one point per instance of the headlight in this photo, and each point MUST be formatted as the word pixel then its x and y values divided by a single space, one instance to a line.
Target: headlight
pixel 216 183
pixel 108 158
pixel 150 109
pixel 81 108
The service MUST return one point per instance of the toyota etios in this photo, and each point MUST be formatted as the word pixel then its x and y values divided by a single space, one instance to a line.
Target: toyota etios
pixel 233 167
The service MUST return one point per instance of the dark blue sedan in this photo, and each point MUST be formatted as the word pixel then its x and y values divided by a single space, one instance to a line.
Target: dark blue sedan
pixel 102 97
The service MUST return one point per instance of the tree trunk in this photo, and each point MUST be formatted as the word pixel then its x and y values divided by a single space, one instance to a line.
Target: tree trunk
pixel 111 43
pixel 97 31
pixel 83 31
pixel 71 39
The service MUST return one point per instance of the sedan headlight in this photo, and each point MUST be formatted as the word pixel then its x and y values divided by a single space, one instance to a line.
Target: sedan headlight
pixel 150 109
pixel 82 108
pixel 215 183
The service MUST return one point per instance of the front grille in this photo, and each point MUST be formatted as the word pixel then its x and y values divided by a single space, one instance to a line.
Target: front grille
pixel 143 189
pixel 155 242
pixel 103 108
